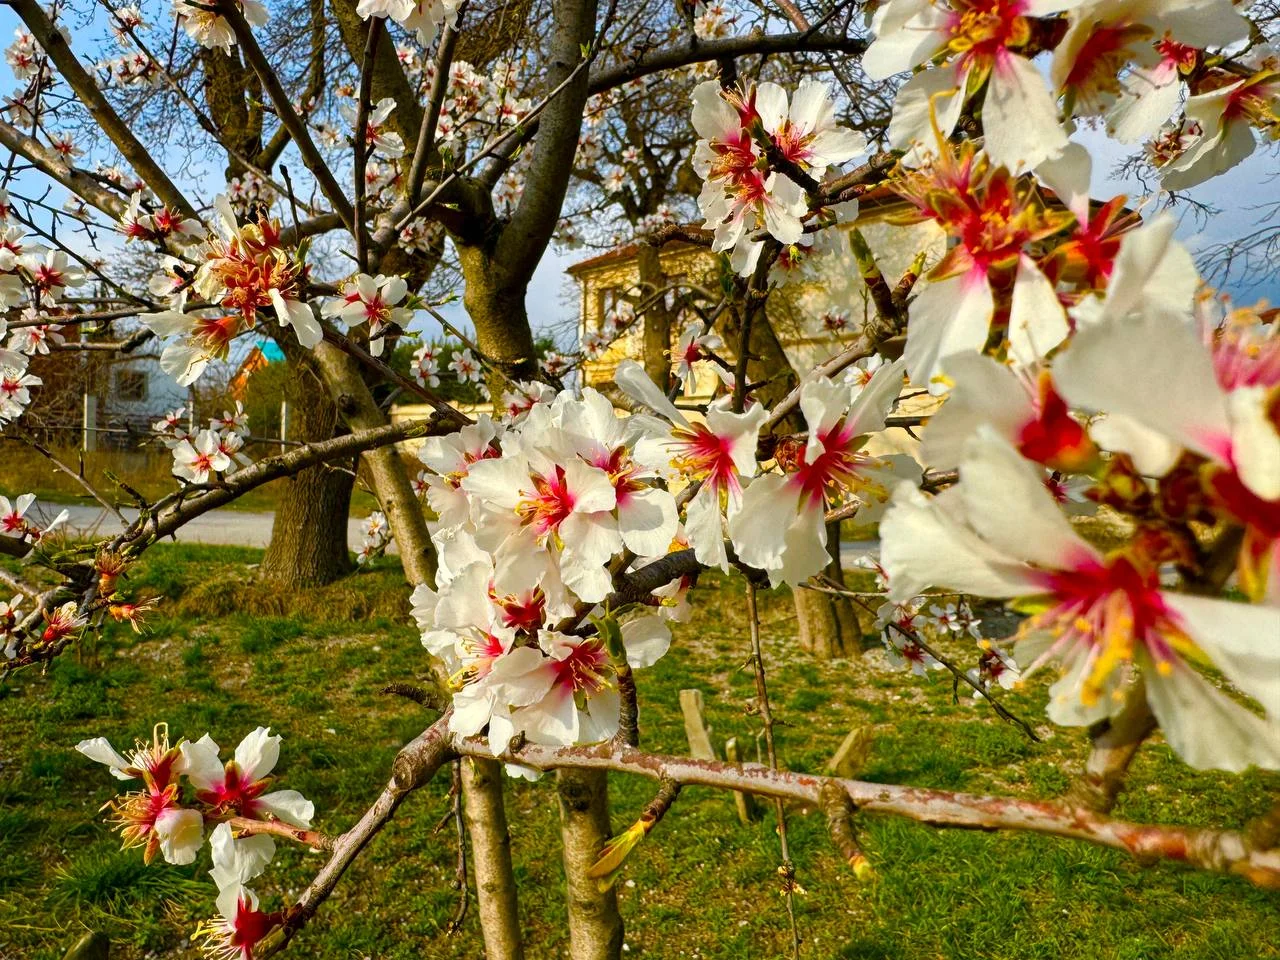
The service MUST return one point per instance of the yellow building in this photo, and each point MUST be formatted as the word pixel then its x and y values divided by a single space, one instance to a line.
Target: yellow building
pixel 798 311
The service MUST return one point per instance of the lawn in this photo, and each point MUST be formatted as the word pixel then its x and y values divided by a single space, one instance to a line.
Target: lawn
pixel 227 655
pixel 148 471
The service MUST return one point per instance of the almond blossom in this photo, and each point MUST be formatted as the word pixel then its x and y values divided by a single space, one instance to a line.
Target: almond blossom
pixel 1122 59
pixel 465 367
pixel 524 396
pixel 376 136
pixel 240 925
pixel 239 786
pixel 13 522
pixel 15 391
pixel 589 430
pixel 1104 617
pixel 10 616
pixel 1227 117
pixel 371 300
pixel 781 527
pixel 696 344
pixel 196 460
pixel 1157 377
pixel 153 817
pixel 563 691
pixel 988 275
pixel 980 44
pixel 235 934
pixel 449 458
pixel 1022 406
pixel 899 624
pixel 244 269
pixel 719 454
pixel 209 28
pixel 426 365
pixel 530 511
pixel 51 274
pixel 738 195
pixel 424 16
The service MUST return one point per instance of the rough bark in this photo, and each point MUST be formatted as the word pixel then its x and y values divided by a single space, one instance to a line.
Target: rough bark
pixel 387 471
pixel 308 545
pixel 491 855
pixel 829 626
pixel 656 319
pixel 237 115
pixel 498 261
pixel 595 926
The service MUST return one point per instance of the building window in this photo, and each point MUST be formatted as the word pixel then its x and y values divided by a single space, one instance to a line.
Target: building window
pixel 131 386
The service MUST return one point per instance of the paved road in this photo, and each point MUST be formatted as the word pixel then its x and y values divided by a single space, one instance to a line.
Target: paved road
pixel 239 528
pixel 236 528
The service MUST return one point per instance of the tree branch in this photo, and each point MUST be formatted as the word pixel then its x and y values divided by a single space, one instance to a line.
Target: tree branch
pixel 1223 851
pixel 700 51
pixel 91 97
pixel 284 110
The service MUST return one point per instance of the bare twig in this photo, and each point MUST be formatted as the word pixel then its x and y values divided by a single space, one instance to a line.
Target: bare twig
pixel 244 827
pixel 787 871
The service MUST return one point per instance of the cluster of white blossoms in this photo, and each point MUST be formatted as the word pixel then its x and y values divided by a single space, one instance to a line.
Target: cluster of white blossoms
pixel 376 537
pixel 427 17
pixel 188 787
pixel 714 20
pixel 201 456
pixel 33 281
pixel 132 67
pixel 752 141
pixel 1126 63
pixel 25 57
pixel 536 519
pixel 243 271
pixel 1112 380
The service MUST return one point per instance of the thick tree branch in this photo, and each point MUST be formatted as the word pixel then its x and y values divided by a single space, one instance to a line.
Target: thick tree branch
pixel 172 518
pixel 525 238
pixel 700 51
pixel 91 97
pixel 288 115
pixel 1223 851
pixel 48 162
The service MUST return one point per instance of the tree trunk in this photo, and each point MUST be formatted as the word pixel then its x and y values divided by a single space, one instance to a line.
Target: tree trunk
pixel 308 545
pixel 387 470
pixel 656 321
pixel 491 854
pixel 829 626
pixel 595 926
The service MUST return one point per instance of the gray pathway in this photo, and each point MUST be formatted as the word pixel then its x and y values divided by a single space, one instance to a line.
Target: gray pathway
pixel 239 528
pixel 236 528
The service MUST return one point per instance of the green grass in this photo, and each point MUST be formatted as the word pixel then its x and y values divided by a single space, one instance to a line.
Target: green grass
pixel 147 471
pixel 311 665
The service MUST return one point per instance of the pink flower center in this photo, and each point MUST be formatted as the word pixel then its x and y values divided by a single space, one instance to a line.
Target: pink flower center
pixel 622 472
pixel 235 794
pixel 1104 610
pixel 551 504
pixel 707 456
pixel 584 671
pixel 834 468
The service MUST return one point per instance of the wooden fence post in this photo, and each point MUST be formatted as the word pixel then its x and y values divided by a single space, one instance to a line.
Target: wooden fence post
pixel 701 748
